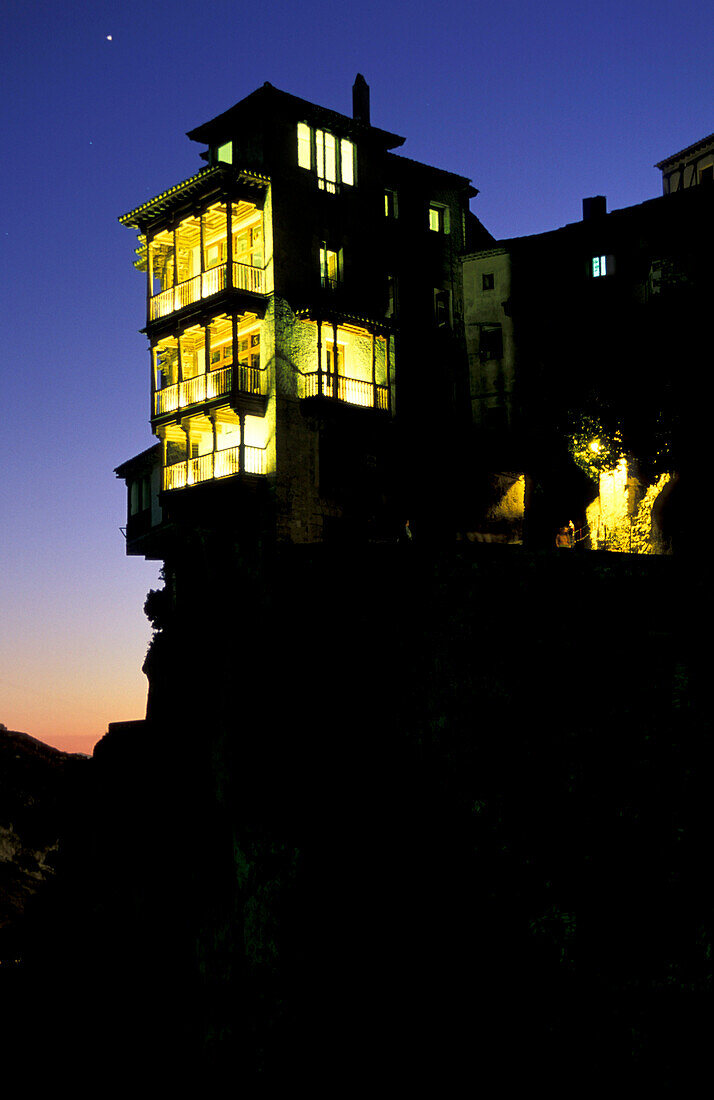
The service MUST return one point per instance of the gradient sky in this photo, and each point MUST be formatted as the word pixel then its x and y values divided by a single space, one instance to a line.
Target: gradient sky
pixel 539 104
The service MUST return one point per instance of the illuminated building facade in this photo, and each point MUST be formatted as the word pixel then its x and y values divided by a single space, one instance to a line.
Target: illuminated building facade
pixel 305 328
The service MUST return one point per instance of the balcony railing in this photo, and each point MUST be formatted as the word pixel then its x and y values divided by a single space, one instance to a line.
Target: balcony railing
pixel 352 391
pixel 204 387
pixel 215 464
pixel 209 282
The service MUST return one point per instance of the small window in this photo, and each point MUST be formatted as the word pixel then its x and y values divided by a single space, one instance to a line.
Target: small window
pixel 224 153
pixel 491 343
pixel 391 296
pixel 347 162
pixel 390 204
pixel 330 267
pixel 487 281
pixel 599 266
pixel 442 311
pixel 335 362
pixel 438 218
pixel 303 140
pixel 706 174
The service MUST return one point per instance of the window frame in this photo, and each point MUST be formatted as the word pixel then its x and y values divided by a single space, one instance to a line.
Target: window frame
pixel 491 348
pixel 327 282
pixel 328 156
pixel 441 211
pixel 391 204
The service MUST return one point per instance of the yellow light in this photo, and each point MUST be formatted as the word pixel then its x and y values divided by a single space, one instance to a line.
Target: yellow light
pixel 595 446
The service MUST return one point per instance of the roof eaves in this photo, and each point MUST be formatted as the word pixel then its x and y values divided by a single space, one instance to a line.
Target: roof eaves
pixel 159 202
pixel 685 152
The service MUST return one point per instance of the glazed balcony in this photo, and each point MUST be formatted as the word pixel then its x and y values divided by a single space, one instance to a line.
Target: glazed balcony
pixel 213 466
pixel 244 277
pixel 349 391
pixel 205 387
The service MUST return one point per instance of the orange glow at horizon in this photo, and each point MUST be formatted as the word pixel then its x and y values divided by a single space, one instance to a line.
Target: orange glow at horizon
pixel 73 716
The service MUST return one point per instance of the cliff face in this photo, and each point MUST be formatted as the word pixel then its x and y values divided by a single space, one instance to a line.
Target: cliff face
pixel 428 808
pixel 36 788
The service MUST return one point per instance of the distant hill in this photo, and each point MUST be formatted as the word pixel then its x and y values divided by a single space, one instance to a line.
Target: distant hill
pixel 36 785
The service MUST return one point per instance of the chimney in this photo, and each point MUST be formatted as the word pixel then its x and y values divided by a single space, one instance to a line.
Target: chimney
pixel 360 100
pixel 594 207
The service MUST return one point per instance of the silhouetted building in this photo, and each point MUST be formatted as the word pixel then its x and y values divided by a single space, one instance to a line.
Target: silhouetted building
pixel 585 348
pixel 305 324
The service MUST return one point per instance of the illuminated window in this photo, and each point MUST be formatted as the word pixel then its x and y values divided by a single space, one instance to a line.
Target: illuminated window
pixel 166 360
pixel 330 267
pixel 390 204
pixel 334 158
pixel 222 355
pixel 224 153
pixel 215 254
pixel 599 266
pixel 335 362
pixel 303 137
pixel 248 246
pixel 438 218
pixel 487 281
pixel 326 155
pixel 220 338
pixel 347 162
pixel 249 350
pixel 193 352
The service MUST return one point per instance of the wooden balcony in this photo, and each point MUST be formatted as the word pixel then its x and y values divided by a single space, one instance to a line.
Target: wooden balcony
pixel 246 278
pixel 349 391
pixel 214 465
pixel 204 387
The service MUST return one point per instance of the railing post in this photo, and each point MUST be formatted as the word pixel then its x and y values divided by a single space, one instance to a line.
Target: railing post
pixel 150 278
pixel 319 358
pixel 335 361
pixel 229 245
pixel 241 449
pixel 175 276
pixel 235 365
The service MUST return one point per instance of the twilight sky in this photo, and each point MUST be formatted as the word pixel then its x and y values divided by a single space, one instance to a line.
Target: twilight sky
pixel 539 104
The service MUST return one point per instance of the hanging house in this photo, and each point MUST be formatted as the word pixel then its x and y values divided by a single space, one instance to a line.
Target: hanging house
pixel 305 329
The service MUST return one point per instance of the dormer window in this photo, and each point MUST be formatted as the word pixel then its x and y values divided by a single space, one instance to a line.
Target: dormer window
pixel 331 158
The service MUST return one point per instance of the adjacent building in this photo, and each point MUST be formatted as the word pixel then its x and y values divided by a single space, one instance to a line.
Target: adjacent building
pixel 587 345
pixel 688 168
